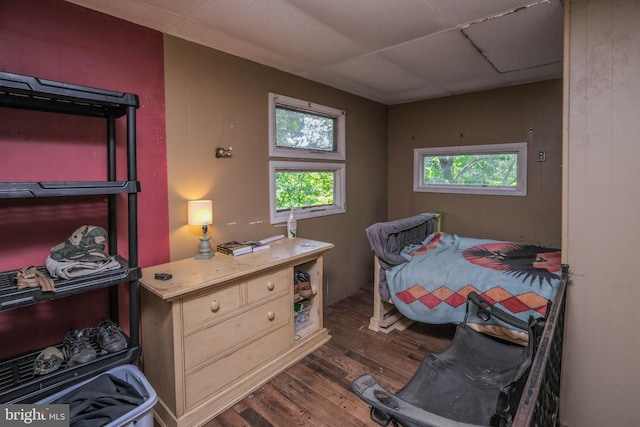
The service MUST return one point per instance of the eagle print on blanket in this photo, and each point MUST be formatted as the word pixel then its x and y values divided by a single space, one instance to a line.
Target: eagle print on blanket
pixel 432 286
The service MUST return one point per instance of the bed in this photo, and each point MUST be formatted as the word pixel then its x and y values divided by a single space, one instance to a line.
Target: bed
pixel 540 401
pixel 424 274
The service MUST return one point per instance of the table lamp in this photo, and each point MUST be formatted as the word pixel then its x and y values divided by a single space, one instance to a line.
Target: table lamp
pixel 200 212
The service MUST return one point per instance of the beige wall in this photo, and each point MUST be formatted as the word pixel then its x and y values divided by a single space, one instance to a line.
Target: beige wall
pixel 529 113
pixel 218 100
pixel 601 367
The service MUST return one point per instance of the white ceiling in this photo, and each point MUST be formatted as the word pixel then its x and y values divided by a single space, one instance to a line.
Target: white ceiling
pixel 391 51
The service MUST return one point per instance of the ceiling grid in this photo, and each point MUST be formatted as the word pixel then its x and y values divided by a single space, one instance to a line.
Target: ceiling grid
pixel 388 51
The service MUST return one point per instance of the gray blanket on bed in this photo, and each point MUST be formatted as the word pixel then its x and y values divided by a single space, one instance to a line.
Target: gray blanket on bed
pixel 387 239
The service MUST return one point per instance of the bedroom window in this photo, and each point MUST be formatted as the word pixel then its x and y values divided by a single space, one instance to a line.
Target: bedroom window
pixel 496 169
pixel 307 159
pixel 305 130
pixel 315 189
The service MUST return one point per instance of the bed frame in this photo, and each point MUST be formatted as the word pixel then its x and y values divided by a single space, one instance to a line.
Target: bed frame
pixel 386 316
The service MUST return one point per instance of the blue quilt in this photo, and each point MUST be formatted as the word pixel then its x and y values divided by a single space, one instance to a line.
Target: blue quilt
pixel 432 286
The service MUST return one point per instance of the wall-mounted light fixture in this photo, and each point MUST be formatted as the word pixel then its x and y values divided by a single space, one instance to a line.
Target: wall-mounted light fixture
pixel 200 212
pixel 223 152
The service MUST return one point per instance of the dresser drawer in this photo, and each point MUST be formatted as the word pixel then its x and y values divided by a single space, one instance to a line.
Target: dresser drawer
pixel 206 343
pixel 270 284
pixel 211 305
pixel 204 383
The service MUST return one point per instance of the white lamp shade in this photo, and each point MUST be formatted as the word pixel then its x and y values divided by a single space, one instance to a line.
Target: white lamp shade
pixel 200 212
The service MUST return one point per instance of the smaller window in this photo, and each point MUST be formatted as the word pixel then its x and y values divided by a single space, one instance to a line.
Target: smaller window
pixel 316 189
pixel 302 129
pixel 497 169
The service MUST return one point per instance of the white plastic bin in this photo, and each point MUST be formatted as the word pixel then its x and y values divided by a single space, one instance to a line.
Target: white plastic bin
pixel 142 416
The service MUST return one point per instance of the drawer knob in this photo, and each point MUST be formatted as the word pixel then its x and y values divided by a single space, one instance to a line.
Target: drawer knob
pixel 271 286
pixel 215 306
pixel 271 315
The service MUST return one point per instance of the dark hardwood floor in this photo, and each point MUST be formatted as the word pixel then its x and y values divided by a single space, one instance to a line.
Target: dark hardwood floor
pixel 317 390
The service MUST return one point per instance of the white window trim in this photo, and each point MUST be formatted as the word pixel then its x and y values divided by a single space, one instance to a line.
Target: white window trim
pixel 339 195
pixel 520 148
pixel 299 104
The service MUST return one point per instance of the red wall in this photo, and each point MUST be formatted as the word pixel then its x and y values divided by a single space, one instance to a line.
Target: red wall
pixel 56 40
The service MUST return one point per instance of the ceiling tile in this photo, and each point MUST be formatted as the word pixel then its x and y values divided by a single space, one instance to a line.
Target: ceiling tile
pixel 547 72
pixel 277 26
pixel 234 46
pixel 539 40
pixel 426 92
pixel 377 73
pixel 375 23
pixel 132 11
pixel 322 76
pixel 391 51
pixel 178 7
pixel 458 12
pixel 445 57
pixel 543 72
pixel 475 84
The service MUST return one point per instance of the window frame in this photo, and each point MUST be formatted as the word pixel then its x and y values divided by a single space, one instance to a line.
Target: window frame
pixel 288 102
pixel 519 148
pixel 339 186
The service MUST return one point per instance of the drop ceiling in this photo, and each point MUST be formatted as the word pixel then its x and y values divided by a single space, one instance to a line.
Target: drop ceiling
pixel 390 51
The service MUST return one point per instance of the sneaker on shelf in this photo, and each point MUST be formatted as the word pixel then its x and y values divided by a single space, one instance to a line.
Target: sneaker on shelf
pixel 110 336
pixel 296 292
pixel 77 347
pixel 304 283
pixel 305 290
pixel 49 360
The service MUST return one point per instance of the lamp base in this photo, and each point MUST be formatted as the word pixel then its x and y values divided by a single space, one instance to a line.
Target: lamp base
pixel 205 248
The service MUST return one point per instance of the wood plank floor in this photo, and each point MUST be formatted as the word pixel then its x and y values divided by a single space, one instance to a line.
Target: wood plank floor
pixel 317 390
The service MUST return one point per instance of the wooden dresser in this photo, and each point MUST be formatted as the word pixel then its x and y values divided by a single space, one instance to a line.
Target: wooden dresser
pixel 221 328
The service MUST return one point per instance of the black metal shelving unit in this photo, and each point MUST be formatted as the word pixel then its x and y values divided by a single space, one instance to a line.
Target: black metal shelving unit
pixel 17 382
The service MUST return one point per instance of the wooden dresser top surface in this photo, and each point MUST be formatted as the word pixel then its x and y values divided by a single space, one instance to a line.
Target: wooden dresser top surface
pixel 190 275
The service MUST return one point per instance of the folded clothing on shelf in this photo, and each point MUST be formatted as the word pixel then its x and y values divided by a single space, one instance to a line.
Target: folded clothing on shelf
pixel 72 269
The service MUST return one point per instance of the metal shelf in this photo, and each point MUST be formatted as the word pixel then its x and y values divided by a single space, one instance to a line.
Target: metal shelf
pixel 20 91
pixel 17 190
pixel 18 384
pixel 12 297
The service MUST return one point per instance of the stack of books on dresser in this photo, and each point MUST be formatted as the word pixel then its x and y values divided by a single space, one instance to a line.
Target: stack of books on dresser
pixel 236 248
